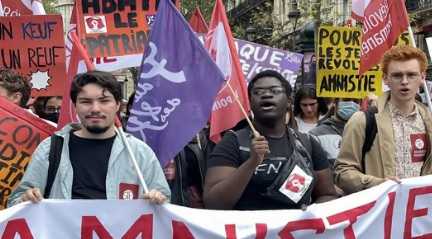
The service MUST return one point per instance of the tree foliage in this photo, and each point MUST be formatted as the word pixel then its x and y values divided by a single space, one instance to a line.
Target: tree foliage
pixel 49 6
pixel 206 7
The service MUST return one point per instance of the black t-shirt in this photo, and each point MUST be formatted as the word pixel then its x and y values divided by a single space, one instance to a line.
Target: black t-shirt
pixel 89 159
pixel 229 153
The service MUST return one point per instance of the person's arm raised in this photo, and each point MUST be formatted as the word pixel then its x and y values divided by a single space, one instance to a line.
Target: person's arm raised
pixel 224 185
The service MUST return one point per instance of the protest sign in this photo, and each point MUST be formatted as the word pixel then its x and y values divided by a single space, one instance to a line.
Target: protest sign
pixel 389 210
pixel 338 62
pixel 20 134
pixel 34 46
pixel 113 27
pixel 255 58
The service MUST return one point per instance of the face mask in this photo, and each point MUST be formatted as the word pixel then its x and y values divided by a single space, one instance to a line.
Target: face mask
pixel 53 117
pixel 346 109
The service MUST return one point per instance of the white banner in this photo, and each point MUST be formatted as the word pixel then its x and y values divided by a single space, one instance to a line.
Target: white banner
pixel 388 211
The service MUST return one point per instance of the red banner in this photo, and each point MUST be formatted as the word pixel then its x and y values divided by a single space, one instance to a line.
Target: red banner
pixel 383 22
pixel 220 43
pixel 20 134
pixel 34 46
pixel 115 28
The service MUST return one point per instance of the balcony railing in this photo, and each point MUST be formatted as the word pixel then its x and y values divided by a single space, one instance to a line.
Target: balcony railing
pixel 244 7
pixel 418 5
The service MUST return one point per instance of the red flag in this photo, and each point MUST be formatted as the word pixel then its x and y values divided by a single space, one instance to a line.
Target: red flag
pixel 20 134
pixel 383 22
pixel 220 43
pixel 76 53
pixel 197 22
pixel 21 7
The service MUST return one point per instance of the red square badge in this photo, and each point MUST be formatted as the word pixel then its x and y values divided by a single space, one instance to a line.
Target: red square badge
pixel 128 191
pixel 419 147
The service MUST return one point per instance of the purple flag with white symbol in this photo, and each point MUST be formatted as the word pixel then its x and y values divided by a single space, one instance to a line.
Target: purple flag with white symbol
pixel 177 86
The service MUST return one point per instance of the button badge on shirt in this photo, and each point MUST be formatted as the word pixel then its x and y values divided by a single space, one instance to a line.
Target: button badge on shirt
pixel 128 191
pixel 419 147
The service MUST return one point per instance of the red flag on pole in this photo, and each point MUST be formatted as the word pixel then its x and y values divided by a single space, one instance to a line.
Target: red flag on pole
pixel 226 111
pixel 77 53
pixel 197 22
pixel 383 22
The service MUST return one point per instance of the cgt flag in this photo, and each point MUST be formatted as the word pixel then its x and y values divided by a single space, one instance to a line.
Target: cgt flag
pixel 220 43
pixel 176 87
pixel 383 22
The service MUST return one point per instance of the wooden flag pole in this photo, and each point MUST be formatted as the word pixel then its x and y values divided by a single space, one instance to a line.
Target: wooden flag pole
pixel 255 132
pixel 119 131
pixel 425 88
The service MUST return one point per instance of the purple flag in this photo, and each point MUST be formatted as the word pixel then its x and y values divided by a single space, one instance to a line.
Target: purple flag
pixel 177 86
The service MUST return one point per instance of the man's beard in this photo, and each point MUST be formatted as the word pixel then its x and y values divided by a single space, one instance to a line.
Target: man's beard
pixel 96 129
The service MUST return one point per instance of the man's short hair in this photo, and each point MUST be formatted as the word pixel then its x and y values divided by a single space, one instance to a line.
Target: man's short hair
pixel 270 73
pixel 404 53
pixel 13 82
pixel 103 79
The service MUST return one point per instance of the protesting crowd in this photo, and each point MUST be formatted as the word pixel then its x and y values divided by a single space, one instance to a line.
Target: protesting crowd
pixel 196 133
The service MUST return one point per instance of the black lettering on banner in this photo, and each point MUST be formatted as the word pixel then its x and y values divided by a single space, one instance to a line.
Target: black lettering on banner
pixel 131 21
pixel 22 161
pixel 323 33
pixel 6 31
pixel 114 44
pixel 7 151
pixel 347 83
pixel 10 58
pixel 4 194
pixel 38 31
pixel 43 56
pixel 22 134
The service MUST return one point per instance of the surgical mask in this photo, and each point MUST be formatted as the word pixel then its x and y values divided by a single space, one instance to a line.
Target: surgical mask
pixel 53 117
pixel 346 109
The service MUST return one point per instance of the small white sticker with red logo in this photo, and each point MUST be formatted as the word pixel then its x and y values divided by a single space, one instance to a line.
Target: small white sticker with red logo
pixel 296 185
pixel 95 24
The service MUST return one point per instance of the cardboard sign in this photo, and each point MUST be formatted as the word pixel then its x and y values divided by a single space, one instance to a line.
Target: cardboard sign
pixel 338 62
pixel 114 27
pixel 20 134
pixel 34 46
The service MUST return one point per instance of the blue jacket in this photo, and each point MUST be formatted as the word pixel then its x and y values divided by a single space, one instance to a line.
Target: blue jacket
pixel 120 170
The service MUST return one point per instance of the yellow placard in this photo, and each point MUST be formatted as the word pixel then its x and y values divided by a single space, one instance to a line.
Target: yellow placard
pixel 338 61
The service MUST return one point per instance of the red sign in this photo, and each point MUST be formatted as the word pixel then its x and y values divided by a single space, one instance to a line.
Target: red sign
pixel 115 28
pixel 226 112
pixel 20 134
pixel 34 46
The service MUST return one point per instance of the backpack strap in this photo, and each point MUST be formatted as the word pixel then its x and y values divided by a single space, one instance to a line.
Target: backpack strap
pixel 202 164
pixel 304 140
pixel 54 162
pixel 370 132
